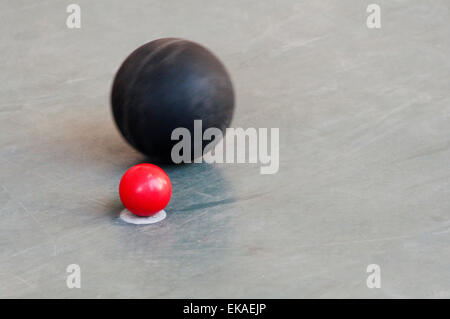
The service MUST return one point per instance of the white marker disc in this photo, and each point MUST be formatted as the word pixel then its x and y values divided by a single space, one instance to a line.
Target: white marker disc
pixel 131 218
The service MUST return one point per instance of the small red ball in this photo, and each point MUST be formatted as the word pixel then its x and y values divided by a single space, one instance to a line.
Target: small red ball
pixel 145 189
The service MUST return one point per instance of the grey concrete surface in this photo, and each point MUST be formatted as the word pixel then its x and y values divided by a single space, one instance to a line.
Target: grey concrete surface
pixel 364 118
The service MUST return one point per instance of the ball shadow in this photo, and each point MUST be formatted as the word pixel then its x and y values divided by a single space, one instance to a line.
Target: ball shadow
pixel 90 147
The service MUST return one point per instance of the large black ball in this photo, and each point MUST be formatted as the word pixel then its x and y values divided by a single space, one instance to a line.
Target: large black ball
pixel 166 84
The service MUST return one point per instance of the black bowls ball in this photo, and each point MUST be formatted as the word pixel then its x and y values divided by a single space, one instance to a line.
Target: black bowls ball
pixel 166 84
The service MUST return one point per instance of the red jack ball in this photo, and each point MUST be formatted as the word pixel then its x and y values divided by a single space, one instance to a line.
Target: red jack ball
pixel 145 189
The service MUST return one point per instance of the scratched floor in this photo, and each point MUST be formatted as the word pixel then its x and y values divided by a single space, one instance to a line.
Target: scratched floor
pixel 364 178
